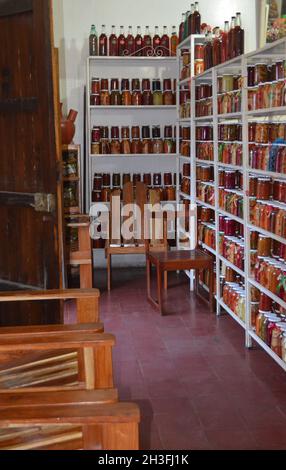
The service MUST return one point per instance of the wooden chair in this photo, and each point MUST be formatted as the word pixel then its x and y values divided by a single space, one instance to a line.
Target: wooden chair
pixel 137 246
pixel 177 261
pixel 79 248
pixel 67 420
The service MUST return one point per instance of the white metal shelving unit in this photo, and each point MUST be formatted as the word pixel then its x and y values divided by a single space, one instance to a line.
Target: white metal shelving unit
pixel 128 67
pixel 270 53
pixel 188 44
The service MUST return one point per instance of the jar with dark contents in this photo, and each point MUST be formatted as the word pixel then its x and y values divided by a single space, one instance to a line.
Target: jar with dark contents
pixel 251 75
pixel 125 140
pixel 116 181
pixel 136 178
pixel 147 146
pixel 125 92
pixel 126 178
pixel 168 141
pixel 105 144
pixel 167 94
pixel 104 92
pixel 115 147
pixel 115 95
pixel 147 96
pixel 157 147
pixel 95 86
pixel 136 98
pixel 147 180
pixel 96 141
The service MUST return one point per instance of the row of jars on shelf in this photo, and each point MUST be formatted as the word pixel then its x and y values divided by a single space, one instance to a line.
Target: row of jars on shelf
pixel 233 295
pixel 102 145
pixel 228 179
pixel 267 217
pixel 232 249
pixel 205 193
pixel 207 234
pixel 267 95
pixel 102 185
pixel 266 132
pixel 266 189
pixel 231 202
pixel 205 151
pixel 141 94
pixel 230 153
pixel 268 158
pixel 264 73
pixel 269 273
pixel 271 328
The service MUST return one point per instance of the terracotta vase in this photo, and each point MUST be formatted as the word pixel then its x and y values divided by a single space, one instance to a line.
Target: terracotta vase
pixel 68 127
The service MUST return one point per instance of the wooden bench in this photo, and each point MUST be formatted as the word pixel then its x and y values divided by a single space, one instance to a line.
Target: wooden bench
pixel 69 356
pixel 68 421
pixel 87 300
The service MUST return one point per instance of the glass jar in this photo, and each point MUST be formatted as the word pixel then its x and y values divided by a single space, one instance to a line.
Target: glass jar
pixel 115 98
pixel 261 73
pixel 104 98
pixel 136 147
pixel 157 93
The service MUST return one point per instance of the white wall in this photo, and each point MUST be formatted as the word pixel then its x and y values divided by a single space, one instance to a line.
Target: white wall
pixel 74 17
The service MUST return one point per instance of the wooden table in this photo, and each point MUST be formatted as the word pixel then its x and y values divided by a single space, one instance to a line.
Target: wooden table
pixel 178 261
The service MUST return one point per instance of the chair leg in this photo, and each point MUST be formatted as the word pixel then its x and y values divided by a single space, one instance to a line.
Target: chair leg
pixel 166 280
pixel 159 289
pixel 148 275
pixel 109 267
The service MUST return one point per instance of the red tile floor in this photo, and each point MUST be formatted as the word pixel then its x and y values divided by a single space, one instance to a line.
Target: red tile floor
pixel 196 384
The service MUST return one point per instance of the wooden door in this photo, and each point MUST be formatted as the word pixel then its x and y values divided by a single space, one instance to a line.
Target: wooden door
pixel 31 251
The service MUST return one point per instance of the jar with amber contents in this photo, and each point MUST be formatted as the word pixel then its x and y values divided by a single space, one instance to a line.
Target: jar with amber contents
pixel 115 147
pixel 136 98
pixel 125 92
pixel 96 141
pixel 125 141
pixel 157 93
pixel 147 96
pixel 104 93
pixel 263 189
pixel 167 94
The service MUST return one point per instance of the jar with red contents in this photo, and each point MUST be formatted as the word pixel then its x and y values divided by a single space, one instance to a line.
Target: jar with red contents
pixel 199 51
pixel 147 95
pixel 229 227
pixel 229 179
pixel 279 191
pixel 263 189
pixel 136 98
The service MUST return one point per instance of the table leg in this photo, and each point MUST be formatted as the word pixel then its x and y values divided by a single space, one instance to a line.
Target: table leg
pixel 159 288
pixel 166 280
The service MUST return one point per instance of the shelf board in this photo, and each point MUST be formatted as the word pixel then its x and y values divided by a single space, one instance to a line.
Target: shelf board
pixel 231 216
pixel 206 75
pixel 204 118
pixel 132 58
pixel 185 120
pixel 122 108
pixel 274 297
pixel 234 191
pixel 185 81
pixel 208 248
pixel 278 47
pixel 184 158
pixel 204 162
pixel 205 204
pixel 231 313
pixel 231 265
pixel 229 166
pixel 268 111
pixel 131 156
pixel 266 233
pixel 207 183
pixel 230 116
pixel 185 196
pixel 266 348
pixel 267 173
pixel 186 43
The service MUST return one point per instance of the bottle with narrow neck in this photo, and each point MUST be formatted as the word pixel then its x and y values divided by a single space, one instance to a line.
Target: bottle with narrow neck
pixel 156 39
pixel 113 44
pixel 238 36
pixel 93 42
pixel 232 38
pixel 182 26
pixel 174 42
pixel 190 19
pixel 147 42
pixel 186 24
pixel 208 51
pixel 103 42
pixel 217 47
pixel 224 43
pixel 130 42
pixel 196 20
pixel 139 42
pixel 165 43
pixel 121 42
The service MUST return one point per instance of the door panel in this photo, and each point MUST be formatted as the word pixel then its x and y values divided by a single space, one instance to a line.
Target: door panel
pixel 30 177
